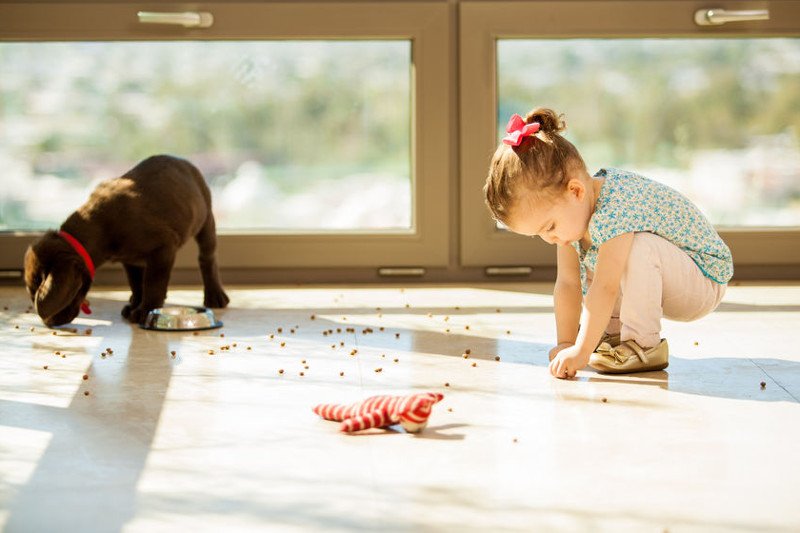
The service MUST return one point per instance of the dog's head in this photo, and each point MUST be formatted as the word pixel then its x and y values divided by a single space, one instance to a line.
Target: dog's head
pixel 56 278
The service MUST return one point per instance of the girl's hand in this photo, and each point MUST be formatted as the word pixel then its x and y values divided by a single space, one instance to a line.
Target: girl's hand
pixel 568 362
pixel 554 351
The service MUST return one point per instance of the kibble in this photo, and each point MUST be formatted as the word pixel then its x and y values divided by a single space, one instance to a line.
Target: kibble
pixel 508 332
pixel 280 330
pixel 172 353
pixel 88 331
pixel 280 371
pixel 85 377
pixel 396 335
pixel 313 317
pixel 283 344
pixel 379 369
pixel 604 400
pixel 45 367
pixel 466 327
pixel 496 357
pixel 465 355
pixel 341 374
pixel 474 364
pixel 447 384
pixel 221 334
pixel 397 360
pixel 449 409
pixel 763 384
pixel 467 351
pixel 86 393
pixel 302 374
pixel 211 352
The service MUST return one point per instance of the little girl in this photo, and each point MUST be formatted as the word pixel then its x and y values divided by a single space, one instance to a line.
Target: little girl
pixel 630 249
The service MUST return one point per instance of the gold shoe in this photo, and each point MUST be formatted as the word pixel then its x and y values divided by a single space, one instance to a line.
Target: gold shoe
pixel 629 357
pixel 608 338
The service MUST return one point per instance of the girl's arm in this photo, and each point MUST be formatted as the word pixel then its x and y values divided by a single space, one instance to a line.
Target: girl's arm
pixel 567 295
pixel 611 262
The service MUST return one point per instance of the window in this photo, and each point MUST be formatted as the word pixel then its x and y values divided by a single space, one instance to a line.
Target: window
pixel 290 135
pixel 717 119
pixel 713 111
pixel 320 127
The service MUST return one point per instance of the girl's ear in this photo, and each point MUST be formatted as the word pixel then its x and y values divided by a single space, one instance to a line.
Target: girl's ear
pixel 576 189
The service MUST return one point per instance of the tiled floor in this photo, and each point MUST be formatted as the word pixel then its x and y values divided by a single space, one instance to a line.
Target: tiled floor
pixel 223 442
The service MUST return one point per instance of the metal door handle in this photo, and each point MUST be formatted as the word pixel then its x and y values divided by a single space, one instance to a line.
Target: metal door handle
pixel 188 19
pixel 716 17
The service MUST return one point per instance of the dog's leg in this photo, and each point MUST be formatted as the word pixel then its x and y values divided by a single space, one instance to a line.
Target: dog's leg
pixel 135 276
pixel 213 294
pixel 154 284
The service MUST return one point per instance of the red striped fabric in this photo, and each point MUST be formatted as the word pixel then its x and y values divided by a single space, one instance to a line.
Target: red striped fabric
pixel 411 412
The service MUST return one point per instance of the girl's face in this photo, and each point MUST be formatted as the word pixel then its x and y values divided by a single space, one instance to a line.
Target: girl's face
pixel 562 221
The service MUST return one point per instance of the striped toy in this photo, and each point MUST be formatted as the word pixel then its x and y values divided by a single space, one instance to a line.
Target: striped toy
pixel 411 412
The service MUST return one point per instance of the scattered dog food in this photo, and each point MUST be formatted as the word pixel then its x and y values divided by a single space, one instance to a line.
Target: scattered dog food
pixel 86 393
pixel 763 384
pixel 85 377
pixel 302 374
pixel 447 384
pixel 397 360
pixel 341 374
pixel 379 369
pixel 396 335
pixel 474 364
pixel 604 400
pixel 280 371
pixel 465 355
pixel 283 344
pixel 45 367
pixel 496 357
pixel 172 353
pixel 467 351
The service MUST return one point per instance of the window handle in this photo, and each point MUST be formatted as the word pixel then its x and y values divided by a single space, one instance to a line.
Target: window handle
pixel 188 19
pixel 716 17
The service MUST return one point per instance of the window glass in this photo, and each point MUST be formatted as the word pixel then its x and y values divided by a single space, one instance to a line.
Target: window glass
pixel 717 119
pixel 301 136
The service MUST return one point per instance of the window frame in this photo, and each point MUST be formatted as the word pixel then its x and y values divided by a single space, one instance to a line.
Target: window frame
pixel 762 251
pixel 425 24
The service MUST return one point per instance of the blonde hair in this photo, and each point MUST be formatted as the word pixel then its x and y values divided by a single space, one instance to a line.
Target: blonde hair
pixel 541 165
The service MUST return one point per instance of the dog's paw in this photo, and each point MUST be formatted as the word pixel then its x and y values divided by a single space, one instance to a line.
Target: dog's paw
pixel 136 315
pixel 126 311
pixel 216 299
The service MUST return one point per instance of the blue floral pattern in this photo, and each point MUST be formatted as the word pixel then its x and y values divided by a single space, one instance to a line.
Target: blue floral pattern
pixel 629 203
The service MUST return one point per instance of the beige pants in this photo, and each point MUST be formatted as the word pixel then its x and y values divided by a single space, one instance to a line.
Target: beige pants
pixel 661 280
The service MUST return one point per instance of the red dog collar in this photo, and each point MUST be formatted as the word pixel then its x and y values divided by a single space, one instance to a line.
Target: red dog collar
pixel 87 260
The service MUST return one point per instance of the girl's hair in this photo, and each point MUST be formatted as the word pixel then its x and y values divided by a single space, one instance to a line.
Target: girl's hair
pixel 541 165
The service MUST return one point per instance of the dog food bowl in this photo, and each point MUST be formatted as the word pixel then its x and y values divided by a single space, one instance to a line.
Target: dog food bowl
pixel 181 319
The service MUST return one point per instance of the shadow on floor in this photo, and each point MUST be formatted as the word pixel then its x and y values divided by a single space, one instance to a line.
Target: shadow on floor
pixel 102 440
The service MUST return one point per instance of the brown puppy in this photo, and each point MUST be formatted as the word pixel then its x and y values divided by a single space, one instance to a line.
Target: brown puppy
pixel 140 219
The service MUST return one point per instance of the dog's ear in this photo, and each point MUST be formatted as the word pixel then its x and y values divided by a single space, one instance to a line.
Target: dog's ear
pixel 58 290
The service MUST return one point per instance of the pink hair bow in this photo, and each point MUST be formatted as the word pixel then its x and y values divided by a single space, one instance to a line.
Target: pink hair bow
pixel 517 129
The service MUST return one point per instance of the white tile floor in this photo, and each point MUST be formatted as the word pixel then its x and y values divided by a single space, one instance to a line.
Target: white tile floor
pixel 222 442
